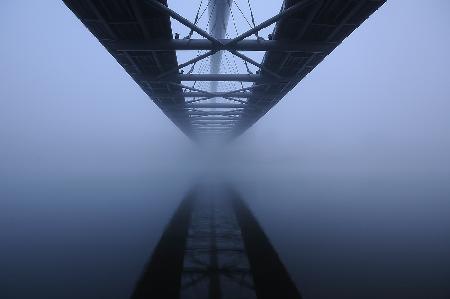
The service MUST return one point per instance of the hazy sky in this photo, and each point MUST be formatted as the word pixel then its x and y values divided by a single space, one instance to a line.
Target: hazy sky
pixel 381 97
pixel 89 163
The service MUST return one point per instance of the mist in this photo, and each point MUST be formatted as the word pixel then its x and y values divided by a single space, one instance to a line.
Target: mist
pixel 348 174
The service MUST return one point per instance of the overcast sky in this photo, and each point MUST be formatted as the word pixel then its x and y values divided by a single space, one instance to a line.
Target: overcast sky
pixel 91 170
pixel 66 105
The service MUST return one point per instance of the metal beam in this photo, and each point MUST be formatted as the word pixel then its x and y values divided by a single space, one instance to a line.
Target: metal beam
pixel 216 105
pixel 211 95
pixel 212 129
pixel 212 133
pixel 222 77
pixel 239 95
pixel 229 95
pixel 208 113
pixel 213 125
pixel 196 94
pixel 214 118
pixel 204 44
pixel 211 122
pixel 209 77
pixel 189 62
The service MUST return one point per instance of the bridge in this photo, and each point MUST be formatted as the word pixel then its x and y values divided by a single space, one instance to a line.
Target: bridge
pixel 214 247
pixel 219 102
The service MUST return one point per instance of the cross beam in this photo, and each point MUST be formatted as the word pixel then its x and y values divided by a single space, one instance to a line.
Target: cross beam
pixel 204 44
pixel 209 77
pixel 209 113
pixel 213 128
pixel 226 126
pixel 216 105
pixel 213 118
pixel 213 122
pixel 197 94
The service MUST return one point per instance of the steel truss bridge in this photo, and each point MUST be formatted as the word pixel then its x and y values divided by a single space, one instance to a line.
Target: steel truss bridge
pixel 138 34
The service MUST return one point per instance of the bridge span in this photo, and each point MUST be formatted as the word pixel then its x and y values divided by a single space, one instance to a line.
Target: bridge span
pixel 139 35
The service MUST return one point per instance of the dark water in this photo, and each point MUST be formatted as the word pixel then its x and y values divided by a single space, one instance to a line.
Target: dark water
pixel 344 237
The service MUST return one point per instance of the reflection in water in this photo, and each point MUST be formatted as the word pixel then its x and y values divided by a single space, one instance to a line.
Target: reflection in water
pixel 214 247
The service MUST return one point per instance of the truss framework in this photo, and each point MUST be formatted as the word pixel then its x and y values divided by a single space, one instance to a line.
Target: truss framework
pixel 138 34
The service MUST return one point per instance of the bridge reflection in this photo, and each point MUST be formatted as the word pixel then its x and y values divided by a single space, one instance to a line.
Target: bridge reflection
pixel 213 247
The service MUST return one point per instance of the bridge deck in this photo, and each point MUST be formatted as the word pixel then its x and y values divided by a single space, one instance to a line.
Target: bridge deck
pixel 112 21
pixel 139 36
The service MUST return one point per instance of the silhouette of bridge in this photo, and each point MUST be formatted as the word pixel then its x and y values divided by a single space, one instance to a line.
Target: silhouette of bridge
pixel 138 34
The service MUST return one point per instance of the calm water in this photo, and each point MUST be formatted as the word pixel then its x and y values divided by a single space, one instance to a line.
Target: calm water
pixel 348 237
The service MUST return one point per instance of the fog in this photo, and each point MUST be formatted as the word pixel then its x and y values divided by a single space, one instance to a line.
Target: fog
pixel 349 174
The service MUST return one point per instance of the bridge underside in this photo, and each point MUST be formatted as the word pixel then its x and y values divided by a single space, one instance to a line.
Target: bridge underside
pixel 138 34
